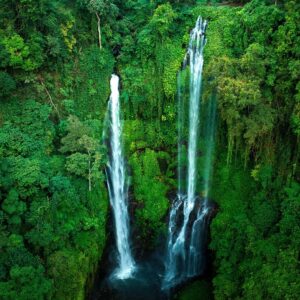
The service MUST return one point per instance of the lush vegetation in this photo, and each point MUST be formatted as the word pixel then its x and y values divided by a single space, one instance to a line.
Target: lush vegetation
pixel 255 236
pixel 56 58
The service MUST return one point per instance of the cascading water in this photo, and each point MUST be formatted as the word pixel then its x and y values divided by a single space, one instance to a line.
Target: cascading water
pixel 118 187
pixel 199 229
pixel 189 214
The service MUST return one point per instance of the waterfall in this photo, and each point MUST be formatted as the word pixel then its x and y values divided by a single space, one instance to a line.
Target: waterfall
pixel 189 213
pixel 118 187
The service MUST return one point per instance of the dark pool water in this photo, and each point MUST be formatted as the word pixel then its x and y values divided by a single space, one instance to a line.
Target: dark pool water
pixel 146 282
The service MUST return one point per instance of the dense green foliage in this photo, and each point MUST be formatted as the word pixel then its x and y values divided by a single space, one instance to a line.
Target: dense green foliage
pixel 56 58
pixel 149 191
pixel 198 290
pixel 255 235
pixel 49 221
pixel 53 199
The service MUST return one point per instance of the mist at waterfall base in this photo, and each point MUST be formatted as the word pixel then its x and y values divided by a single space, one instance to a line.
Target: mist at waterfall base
pixel 147 279
pixel 159 274
pixel 145 284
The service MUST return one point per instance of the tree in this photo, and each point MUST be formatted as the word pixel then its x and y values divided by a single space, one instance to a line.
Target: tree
pixel 162 20
pixel 26 283
pixel 100 8
pixel 7 84
pixel 14 207
pixel 17 53
pixel 85 158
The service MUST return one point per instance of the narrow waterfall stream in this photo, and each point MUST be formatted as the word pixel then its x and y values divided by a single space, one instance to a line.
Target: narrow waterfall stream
pixel 118 187
pixel 189 212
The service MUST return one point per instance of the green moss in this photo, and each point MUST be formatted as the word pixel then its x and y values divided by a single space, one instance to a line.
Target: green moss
pixel 91 90
pixel 150 193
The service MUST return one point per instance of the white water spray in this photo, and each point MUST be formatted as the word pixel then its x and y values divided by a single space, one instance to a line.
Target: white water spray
pixel 118 187
pixel 185 239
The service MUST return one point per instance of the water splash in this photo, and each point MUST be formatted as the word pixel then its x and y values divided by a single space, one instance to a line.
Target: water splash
pixel 118 187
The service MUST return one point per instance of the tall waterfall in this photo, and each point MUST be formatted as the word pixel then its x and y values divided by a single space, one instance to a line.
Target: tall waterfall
pixel 118 187
pixel 189 212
